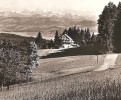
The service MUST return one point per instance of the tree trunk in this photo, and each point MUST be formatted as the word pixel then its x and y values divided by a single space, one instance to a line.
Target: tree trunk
pixel 8 87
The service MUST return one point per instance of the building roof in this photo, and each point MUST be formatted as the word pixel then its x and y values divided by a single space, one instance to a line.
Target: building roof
pixel 67 36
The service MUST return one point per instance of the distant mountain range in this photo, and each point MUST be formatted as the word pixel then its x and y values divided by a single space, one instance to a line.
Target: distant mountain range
pixel 45 22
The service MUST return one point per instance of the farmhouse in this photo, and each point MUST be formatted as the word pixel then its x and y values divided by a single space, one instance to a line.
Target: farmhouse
pixel 67 41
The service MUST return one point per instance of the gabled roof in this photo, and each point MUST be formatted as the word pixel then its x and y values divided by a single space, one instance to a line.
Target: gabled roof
pixel 67 36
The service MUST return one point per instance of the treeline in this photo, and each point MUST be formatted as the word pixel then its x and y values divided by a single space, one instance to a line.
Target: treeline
pixel 17 61
pixel 48 44
pixel 82 37
pixel 109 28
pixel 41 43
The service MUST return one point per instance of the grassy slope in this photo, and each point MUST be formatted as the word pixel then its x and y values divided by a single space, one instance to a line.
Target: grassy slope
pixel 60 63
pixel 103 85
pixel 50 67
pixel 81 86
pixel 62 87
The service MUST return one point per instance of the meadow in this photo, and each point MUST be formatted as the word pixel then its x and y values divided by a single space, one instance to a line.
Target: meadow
pixel 102 85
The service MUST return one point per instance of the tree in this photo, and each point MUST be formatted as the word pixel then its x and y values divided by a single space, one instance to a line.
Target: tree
pixel 65 32
pixel 117 36
pixel 10 62
pixel 39 40
pixel 74 33
pixel 51 44
pixel 14 61
pixel 93 40
pixel 57 40
pixel 82 38
pixel 106 23
pixel 87 36
pixel 32 59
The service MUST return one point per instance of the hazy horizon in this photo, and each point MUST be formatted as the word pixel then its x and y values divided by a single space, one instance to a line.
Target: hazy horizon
pixel 88 9
pixel 93 7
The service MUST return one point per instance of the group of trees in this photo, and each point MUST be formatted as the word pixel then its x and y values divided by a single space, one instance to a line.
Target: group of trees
pixel 39 40
pixel 10 65
pixel 109 28
pixel 41 43
pixel 56 43
pixel 16 62
pixel 82 37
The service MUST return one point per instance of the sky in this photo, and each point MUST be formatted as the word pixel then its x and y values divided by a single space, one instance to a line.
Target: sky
pixel 94 6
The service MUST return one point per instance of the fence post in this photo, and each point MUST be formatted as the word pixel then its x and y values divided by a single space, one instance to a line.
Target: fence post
pixel 97 58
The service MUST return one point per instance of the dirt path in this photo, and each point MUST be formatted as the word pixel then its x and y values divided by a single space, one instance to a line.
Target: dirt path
pixel 109 62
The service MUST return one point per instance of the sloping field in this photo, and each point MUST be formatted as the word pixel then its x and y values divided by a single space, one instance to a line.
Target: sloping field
pixel 94 85
pixel 101 85
pixel 55 67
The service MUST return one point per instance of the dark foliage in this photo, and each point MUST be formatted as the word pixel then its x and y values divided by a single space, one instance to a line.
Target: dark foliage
pixel 15 57
pixel 57 40
pixel 51 44
pixel 11 62
pixel 117 27
pixel 109 29
pixel 41 43
pixel 82 37
pixel 88 50
pixel 39 40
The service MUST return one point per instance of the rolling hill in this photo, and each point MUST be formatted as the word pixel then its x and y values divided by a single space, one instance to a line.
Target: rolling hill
pixel 18 22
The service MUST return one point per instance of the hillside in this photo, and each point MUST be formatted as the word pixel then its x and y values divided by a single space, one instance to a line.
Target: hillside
pixel 14 37
pixel 44 24
pixel 49 23
pixel 94 85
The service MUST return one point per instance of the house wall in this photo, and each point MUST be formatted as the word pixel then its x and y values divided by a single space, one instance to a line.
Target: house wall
pixel 67 42
pixel 67 46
